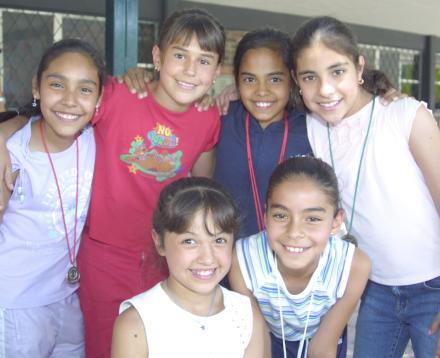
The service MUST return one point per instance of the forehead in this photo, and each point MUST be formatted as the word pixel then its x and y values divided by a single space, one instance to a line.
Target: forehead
pixel 73 62
pixel 318 55
pixel 190 42
pixel 298 193
pixel 262 60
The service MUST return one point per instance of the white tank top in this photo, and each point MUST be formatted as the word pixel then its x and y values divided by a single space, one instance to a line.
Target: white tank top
pixel 173 332
pixel 395 222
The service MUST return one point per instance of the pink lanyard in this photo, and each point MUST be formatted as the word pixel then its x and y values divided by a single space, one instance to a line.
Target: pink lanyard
pixel 257 202
pixel 73 274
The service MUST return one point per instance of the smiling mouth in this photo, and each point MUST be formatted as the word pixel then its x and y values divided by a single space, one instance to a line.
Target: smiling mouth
pixel 67 116
pixel 203 274
pixel 186 85
pixel 330 104
pixel 263 104
pixel 295 249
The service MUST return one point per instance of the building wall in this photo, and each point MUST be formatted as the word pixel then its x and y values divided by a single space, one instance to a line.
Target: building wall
pixel 415 16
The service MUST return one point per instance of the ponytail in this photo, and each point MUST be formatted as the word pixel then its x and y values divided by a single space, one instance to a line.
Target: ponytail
pixel 376 82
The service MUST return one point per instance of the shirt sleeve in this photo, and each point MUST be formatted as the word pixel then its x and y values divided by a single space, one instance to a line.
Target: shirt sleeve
pixel 214 131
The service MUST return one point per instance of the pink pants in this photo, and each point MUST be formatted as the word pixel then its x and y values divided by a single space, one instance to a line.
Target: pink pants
pixel 110 275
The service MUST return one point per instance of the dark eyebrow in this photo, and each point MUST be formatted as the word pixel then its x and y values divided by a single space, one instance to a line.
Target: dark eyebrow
pixel 204 54
pixel 312 209
pixel 318 208
pixel 61 77
pixel 338 64
pixel 278 206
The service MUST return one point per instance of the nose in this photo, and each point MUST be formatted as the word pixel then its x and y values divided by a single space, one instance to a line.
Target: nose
pixel 262 88
pixel 206 255
pixel 295 230
pixel 190 67
pixel 69 98
pixel 326 87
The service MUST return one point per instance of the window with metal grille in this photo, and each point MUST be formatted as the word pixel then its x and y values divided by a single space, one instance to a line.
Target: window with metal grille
pixel 25 34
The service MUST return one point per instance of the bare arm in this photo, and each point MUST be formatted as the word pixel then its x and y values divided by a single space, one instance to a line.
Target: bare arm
pixel 129 340
pixel 259 345
pixel 7 129
pixel 6 193
pixel 204 166
pixel 324 342
pixel 424 143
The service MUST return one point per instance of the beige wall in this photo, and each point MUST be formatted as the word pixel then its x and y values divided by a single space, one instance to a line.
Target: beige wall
pixel 416 16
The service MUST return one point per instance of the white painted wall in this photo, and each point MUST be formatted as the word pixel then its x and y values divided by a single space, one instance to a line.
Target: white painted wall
pixel 416 16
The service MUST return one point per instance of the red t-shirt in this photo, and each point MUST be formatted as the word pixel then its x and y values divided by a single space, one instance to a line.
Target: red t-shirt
pixel 140 148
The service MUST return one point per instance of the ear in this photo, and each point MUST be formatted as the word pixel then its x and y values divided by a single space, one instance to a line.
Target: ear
pixel 157 61
pixel 35 88
pixel 158 243
pixel 337 221
pixel 218 71
pixel 360 66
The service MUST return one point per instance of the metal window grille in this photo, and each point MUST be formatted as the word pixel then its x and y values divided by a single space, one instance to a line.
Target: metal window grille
pixel 26 34
pixel 401 66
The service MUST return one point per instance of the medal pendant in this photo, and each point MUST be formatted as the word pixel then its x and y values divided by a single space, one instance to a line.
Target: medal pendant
pixel 73 275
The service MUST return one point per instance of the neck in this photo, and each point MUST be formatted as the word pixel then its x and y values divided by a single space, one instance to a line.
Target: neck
pixel 196 303
pixel 55 143
pixel 166 101
pixel 297 280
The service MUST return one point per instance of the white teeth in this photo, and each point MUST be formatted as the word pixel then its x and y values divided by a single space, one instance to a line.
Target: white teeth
pixel 185 85
pixel 66 116
pixel 203 273
pixel 329 104
pixel 263 104
pixel 295 249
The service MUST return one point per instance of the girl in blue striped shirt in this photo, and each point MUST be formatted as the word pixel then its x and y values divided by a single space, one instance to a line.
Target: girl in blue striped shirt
pixel 305 281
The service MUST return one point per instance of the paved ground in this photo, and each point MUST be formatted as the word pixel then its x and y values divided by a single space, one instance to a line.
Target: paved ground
pixel 351 332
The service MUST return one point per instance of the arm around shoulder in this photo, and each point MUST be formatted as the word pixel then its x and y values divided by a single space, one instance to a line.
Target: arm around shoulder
pixel 424 143
pixel 324 342
pixel 129 340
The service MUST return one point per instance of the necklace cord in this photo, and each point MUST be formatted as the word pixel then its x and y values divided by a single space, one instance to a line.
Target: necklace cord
pixel 253 179
pixel 350 225
pixel 70 250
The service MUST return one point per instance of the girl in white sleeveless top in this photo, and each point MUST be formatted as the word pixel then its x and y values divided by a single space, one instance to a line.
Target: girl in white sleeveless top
pixel 387 159
pixel 190 314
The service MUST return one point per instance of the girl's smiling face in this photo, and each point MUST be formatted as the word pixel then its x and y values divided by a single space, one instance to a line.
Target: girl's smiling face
pixel 197 259
pixel 69 92
pixel 330 82
pixel 300 218
pixel 264 84
pixel 186 74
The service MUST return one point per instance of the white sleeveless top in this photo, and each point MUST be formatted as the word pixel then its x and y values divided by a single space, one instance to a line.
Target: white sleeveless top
pixel 396 222
pixel 173 332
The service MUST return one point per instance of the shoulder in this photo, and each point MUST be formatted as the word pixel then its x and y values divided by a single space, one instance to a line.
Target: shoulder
pixel 297 117
pixel 400 115
pixel 19 141
pixel 235 110
pixel 361 263
pixel 129 335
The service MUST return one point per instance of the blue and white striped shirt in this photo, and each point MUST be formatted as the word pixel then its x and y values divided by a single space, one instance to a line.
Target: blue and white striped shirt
pixel 328 283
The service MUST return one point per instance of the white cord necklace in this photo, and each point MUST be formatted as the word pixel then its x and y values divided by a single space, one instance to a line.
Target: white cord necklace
pixel 200 322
